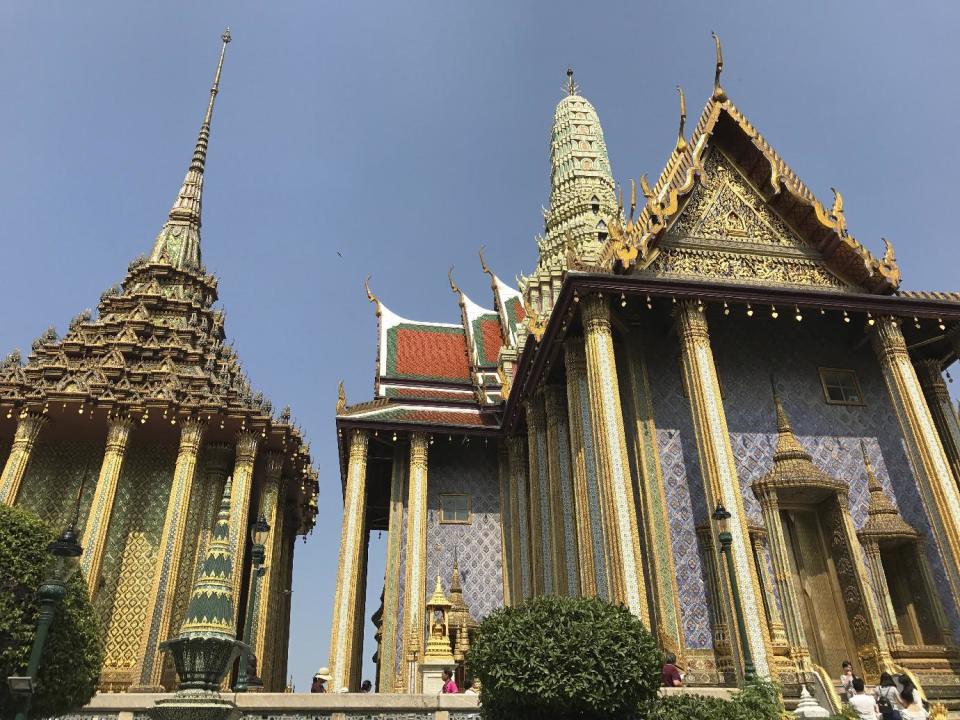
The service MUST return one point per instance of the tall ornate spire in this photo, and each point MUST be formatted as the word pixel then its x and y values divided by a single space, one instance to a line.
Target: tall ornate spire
pixel 788 447
pixel 179 241
pixel 883 520
pixel 582 194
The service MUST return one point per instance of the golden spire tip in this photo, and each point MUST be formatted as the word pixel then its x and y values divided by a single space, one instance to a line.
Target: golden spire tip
pixel 681 142
pixel 572 87
pixel 718 93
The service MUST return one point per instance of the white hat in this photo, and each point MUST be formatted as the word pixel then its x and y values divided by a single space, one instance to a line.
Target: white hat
pixel 323 674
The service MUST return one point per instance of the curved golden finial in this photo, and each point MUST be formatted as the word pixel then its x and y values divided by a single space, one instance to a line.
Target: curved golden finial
pixel 370 296
pixel 645 187
pixel 572 87
pixel 681 142
pixel 453 285
pixel 633 197
pixel 836 212
pixel 483 264
pixel 341 398
pixel 718 93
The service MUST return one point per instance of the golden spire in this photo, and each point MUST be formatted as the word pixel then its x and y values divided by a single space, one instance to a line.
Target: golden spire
pixel 179 241
pixel 718 93
pixel 681 142
pixel 788 447
pixel 883 520
pixel 341 398
pixel 572 87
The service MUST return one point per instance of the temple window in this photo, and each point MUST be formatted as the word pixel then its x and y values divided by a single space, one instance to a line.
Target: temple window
pixel 595 205
pixel 840 387
pixel 455 509
pixel 601 231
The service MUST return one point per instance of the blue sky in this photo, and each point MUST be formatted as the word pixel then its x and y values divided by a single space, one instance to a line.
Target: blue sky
pixel 407 135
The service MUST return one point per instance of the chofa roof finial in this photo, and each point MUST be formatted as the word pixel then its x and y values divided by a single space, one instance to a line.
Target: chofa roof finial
pixel 483 264
pixel 718 93
pixel 681 141
pixel 370 296
pixel 453 284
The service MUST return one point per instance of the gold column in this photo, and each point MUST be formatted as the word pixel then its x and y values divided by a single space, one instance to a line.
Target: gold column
pixel 518 501
pixel 24 438
pixel 391 584
pixel 272 498
pixel 942 410
pixel 247 441
pixel 613 466
pixel 778 635
pixel 169 556
pixel 590 537
pixel 541 541
pixel 415 587
pixel 566 567
pixel 888 617
pixel 101 507
pixel 653 501
pixel 935 480
pixel 719 471
pixel 506 522
pixel 349 583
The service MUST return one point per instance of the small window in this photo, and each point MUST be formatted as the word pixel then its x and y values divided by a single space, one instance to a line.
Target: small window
pixel 595 205
pixel 840 387
pixel 455 509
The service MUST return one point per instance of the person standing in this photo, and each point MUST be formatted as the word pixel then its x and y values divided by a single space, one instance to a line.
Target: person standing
pixel 320 680
pixel 846 678
pixel 449 684
pixel 366 686
pixel 865 705
pixel 912 704
pixel 888 699
pixel 670 673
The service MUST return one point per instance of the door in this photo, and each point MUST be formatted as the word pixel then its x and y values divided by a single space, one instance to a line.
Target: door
pixel 825 621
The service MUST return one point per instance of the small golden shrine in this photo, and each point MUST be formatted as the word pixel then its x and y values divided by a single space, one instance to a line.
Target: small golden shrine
pixel 438 619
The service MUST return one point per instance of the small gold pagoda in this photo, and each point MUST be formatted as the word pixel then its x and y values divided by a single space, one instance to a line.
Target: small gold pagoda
pixel 143 411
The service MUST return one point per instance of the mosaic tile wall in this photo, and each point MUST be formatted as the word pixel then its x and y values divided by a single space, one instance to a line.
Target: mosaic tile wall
pixel 831 433
pixel 472 469
pixel 53 480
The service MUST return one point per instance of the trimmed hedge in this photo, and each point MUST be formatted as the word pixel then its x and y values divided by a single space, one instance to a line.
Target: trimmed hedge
pixel 70 666
pixel 758 700
pixel 553 658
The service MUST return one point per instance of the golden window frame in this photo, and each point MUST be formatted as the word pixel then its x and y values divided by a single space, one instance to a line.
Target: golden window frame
pixel 826 394
pixel 468 521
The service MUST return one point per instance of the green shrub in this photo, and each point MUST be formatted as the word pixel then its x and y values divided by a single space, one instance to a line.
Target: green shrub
pixel 70 666
pixel 757 700
pixel 553 658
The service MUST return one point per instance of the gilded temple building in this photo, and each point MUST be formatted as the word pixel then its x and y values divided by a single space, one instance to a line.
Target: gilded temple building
pixel 130 425
pixel 718 338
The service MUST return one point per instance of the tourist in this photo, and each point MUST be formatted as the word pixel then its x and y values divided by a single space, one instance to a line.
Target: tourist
pixel 319 681
pixel 888 698
pixel 865 705
pixel 471 687
pixel 366 686
pixel 846 678
pixel 449 684
pixel 913 708
pixel 670 673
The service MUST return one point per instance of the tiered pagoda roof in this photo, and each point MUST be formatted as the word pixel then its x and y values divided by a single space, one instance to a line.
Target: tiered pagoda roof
pixel 156 348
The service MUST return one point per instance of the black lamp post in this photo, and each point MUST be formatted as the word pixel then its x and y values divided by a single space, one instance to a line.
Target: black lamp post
pixel 65 551
pixel 258 553
pixel 722 518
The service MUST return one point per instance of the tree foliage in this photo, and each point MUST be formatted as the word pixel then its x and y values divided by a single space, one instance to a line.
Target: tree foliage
pixel 70 666
pixel 758 700
pixel 559 657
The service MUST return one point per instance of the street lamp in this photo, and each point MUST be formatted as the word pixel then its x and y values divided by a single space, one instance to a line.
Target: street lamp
pixel 65 551
pixel 258 538
pixel 722 518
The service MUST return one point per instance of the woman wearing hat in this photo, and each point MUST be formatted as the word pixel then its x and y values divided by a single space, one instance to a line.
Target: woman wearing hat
pixel 319 680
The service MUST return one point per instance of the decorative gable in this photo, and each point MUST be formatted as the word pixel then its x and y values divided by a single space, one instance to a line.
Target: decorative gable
pixel 727 231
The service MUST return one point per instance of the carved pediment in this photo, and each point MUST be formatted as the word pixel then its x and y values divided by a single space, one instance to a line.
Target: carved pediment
pixel 726 231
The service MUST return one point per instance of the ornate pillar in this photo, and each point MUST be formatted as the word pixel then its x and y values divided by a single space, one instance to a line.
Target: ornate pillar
pixel 709 557
pixel 272 498
pixel 778 635
pixel 415 587
pixel 541 540
pixel 391 582
pixel 888 617
pixel 719 471
pixel 24 438
pixel 343 655
pixel 627 583
pixel 564 534
pixel 942 410
pixel 782 576
pixel 935 480
pixel 506 522
pixel 247 441
pixel 655 516
pixel 169 558
pixel 590 532
pixel 101 507
pixel 521 530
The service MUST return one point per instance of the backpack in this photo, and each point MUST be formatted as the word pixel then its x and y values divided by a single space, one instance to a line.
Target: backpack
pixel 887 710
